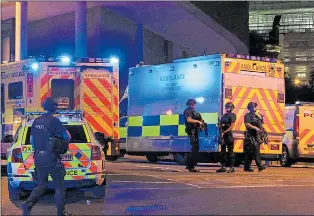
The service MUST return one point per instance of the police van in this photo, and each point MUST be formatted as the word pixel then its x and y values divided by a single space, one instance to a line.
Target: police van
pixel 84 162
pixel 298 142
pixel 87 84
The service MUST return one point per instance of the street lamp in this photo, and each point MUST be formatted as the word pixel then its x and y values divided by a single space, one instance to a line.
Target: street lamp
pixel 296 82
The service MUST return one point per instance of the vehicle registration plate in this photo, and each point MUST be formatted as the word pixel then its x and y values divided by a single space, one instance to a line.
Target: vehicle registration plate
pixel 66 157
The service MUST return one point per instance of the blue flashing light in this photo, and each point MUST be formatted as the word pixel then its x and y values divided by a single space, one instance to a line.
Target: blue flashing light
pixel 65 59
pixel 114 60
pixel 35 66
pixel 200 100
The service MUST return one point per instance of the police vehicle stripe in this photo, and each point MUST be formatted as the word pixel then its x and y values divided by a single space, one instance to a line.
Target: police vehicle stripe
pixel 135 121
pixel 169 119
pixel 161 125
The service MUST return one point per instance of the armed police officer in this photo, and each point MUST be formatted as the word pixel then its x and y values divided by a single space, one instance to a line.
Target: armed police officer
pixel 227 122
pixel 47 160
pixel 252 143
pixel 193 122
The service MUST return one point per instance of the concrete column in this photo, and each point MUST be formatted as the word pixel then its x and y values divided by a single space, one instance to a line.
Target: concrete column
pixel 5 47
pixel 140 43
pixel 80 29
pixel 21 10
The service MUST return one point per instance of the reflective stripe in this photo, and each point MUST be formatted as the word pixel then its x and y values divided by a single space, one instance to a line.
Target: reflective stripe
pixel 151 131
pixel 135 121
pixel 210 118
pixel 168 125
pixel 86 133
pixel 181 131
pixel 122 132
pixel 169 119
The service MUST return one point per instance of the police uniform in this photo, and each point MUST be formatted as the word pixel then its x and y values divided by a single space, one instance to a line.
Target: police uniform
pixel 46 161
pixel 251 144
pixel 226 120
pixel 192 130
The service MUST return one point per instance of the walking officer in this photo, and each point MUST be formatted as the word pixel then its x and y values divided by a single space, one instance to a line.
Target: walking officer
pixel 192 126
pixel 253 124
pixel 47 161
pixel 227 122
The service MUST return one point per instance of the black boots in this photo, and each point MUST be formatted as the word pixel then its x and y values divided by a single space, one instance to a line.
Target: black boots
pixel 27 207
pixel 231 170
pixel 222 169
pixel 63 213
pixel 262 167
pixel 192 169
pixel 248 170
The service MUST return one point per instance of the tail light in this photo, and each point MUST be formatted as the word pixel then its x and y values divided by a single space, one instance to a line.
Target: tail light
pixel 297 126
pixel 17 156
pixel 96 153
pixel 117 146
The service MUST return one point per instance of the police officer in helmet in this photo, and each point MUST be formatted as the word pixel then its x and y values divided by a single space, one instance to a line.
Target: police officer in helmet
pixel 192 126
pixel 44 128
pixel 227 122
pixel 253 124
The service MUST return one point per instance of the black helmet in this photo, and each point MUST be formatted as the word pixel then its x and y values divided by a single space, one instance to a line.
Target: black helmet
pixel 50 104
pixel 229 105
pixel 190 102
pixel 251 105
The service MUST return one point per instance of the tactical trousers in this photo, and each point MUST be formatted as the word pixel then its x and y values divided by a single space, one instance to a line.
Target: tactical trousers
pixel 44 166
pixel 251 150
pixel 228 143
pixel 193 156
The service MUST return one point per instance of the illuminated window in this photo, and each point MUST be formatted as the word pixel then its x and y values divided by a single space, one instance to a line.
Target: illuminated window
pixel 301 75
pixel 286 60
pixel 300 58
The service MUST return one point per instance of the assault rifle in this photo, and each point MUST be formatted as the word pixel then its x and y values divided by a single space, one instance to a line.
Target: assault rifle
pixel 204 126
pixel 221 140
pixel 262 136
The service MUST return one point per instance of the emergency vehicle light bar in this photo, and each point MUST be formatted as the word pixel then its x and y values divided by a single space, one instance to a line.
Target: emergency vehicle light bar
pixel 72 60
pixel 254 58
pixel 58 112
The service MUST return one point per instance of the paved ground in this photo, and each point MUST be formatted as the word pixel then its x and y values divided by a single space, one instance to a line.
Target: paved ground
pixel 134 182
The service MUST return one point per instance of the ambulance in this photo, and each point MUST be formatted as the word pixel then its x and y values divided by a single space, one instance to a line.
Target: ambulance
pixel 157 97
pixel 87 84
pixel 298 142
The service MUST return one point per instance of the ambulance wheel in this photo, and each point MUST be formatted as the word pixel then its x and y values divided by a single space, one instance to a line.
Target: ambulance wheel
pixel 181 158
pixel 99 191
pixel 152 158
pixel 14 193
pixel 285 160
pixel 111 158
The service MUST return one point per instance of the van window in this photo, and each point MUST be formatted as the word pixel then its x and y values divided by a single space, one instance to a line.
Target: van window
pixel 77 133
pixel 63 91
pixel 15 90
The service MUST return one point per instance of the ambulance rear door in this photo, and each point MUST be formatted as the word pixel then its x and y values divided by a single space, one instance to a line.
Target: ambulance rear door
pixel 64 86
pixel 306 131
pixel 97 98
pixel 268 93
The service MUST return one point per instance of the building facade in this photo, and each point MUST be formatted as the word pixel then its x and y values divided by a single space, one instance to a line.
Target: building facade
pixel 296 29
pixel 153 32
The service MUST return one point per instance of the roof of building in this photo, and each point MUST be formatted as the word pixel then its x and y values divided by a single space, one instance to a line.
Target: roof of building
pixel 181 22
